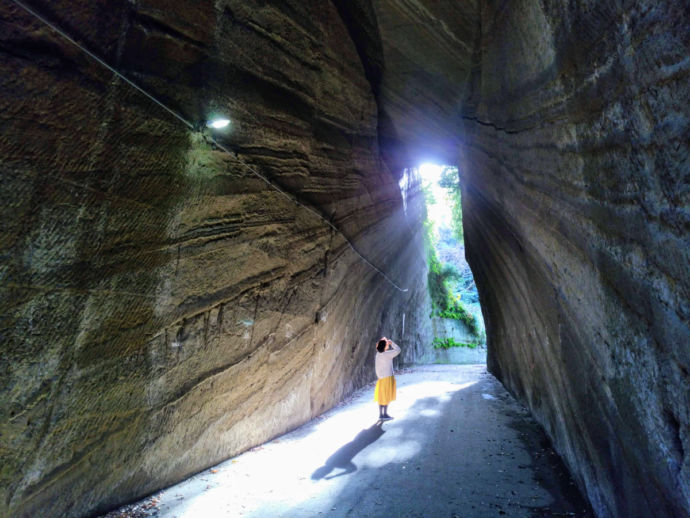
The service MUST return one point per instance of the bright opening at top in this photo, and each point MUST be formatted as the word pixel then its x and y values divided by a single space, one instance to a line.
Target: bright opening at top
pixel 440 211
pixel 458 324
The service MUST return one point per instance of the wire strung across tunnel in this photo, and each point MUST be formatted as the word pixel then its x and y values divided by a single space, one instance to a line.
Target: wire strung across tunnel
pixel 192 127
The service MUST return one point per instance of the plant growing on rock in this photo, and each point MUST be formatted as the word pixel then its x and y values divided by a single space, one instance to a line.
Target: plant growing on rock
pixel 439 277
pixel 457 311
pixel 447 343
pixel 444 304
pixel 451 182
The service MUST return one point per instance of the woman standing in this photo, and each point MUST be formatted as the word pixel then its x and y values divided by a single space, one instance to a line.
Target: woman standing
pixel 384 393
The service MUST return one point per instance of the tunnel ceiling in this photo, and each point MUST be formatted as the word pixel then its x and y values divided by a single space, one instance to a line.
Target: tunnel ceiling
pixel 163 308
pixel 417 57
pixel 427 54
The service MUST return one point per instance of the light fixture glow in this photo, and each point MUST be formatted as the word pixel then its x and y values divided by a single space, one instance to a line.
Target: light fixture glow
pixel 218 123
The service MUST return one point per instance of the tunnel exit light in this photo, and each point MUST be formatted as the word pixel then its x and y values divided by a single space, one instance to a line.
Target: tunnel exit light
pixel 218 123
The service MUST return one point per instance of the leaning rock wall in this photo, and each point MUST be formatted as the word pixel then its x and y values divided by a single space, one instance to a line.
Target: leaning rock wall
pixel 576 210
pixel 162 307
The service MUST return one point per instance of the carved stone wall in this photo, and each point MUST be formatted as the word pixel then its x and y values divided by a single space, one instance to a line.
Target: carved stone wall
pixel 163 308
pixel 576 208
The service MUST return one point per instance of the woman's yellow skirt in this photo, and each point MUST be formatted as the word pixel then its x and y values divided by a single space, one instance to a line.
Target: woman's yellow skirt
pixel 384 392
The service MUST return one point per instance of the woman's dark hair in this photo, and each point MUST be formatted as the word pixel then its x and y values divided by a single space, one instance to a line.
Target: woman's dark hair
pixel 381 346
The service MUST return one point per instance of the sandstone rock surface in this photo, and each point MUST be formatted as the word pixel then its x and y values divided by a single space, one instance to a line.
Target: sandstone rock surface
pixel 576 190
pixel 162 308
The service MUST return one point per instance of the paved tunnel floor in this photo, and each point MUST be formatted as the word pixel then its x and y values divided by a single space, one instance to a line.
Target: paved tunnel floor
pixel 459 446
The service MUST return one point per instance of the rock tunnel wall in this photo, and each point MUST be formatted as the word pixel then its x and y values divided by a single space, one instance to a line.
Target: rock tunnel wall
pixel 576 207
pixel 162 307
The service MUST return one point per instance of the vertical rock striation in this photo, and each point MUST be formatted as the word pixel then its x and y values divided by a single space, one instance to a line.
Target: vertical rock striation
pixel 162 307
pixel 576 189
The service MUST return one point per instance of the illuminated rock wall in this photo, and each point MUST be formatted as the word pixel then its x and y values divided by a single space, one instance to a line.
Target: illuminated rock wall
pixel 162 307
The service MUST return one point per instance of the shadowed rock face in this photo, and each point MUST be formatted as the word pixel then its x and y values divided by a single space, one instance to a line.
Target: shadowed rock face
pixel 162 308
pixel 576 188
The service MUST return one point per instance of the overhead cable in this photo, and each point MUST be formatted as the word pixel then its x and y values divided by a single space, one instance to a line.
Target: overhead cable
pixel 193 127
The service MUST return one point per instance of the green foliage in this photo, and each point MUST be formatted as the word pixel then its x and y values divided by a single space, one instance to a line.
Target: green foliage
pixel 457 311
pixel 451 181
pixel 450 272
pixel 456 212
pixel 438 289
pixel 438 279
pixel 440 276
pixel 429 197
pixel 429 237
pixel 447 343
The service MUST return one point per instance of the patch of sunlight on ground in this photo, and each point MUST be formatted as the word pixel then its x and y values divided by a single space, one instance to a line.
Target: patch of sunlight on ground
pixel 460 445
pixel 298 466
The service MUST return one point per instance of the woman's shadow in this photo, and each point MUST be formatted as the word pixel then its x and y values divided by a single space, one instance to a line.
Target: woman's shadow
pixel 343 457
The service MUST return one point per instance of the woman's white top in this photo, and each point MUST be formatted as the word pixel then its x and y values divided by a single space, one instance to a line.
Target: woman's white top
pixel 384 361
